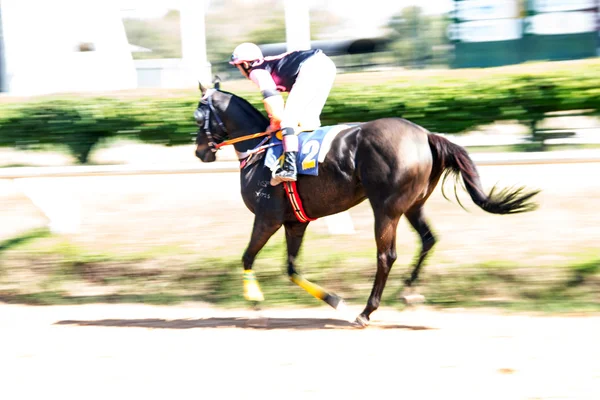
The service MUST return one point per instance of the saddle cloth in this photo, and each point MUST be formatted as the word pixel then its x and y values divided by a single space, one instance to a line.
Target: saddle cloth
pixel 313 147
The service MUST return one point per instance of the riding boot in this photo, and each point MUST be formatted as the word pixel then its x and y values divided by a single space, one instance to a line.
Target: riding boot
pixel 290 147
pixel 288 172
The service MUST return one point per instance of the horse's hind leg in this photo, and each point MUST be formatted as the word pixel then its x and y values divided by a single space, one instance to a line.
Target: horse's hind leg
pixel 417 219
pixel 385 237
pixel 294 233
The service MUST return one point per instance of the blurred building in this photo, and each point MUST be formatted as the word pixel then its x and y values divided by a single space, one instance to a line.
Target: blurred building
pixel 72 45
pixel 76 46
pixel 490 33
pixel 63 46
pixel 2 65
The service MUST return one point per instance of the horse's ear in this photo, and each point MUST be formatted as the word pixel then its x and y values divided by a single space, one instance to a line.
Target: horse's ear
pixel 202 88
pixel 217 82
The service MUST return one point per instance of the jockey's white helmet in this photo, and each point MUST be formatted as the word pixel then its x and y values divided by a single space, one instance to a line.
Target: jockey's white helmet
pixel 245 52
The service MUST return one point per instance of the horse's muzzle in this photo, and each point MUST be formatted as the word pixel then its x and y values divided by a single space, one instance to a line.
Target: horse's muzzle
pixel 204 153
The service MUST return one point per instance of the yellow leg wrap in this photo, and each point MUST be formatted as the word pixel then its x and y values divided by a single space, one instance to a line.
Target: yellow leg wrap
pixel 310 287
pixel 252 291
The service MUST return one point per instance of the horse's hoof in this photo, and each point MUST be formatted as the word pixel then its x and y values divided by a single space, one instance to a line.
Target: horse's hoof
pixel 344 311
pixel 361 322
pixel 254 298
pixel 252 291
pixel 412 299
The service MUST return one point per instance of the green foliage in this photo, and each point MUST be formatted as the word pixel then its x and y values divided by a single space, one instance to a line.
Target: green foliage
pixel 161 35
pixel 271 31
pixel 415 37
pixel 57 266
pixel 77 125
pixel 225 30
pixel 452 104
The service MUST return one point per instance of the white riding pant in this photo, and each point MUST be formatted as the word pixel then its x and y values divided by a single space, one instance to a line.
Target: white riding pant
pixel 309 94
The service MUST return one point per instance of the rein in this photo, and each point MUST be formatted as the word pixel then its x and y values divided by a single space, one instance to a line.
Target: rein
pixel 240 139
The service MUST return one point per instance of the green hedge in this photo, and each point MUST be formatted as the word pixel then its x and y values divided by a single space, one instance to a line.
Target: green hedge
pixel 79 124
pixel 450 102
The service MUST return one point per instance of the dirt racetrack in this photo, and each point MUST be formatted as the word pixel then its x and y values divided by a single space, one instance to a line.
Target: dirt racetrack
pixel 198 352
pixel 195 351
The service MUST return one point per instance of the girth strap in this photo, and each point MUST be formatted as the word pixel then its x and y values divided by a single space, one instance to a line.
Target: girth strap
pixel 292 192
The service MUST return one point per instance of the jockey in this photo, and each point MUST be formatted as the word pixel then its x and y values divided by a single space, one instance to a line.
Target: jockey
pixel 307 75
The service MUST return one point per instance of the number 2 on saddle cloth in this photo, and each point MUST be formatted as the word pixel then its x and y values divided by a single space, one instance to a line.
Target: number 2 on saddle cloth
pixel 313 147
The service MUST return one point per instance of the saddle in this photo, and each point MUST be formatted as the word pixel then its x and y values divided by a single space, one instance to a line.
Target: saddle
pixel 313 146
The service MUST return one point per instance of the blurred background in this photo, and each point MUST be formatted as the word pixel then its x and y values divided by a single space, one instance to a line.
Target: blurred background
pixel 102 198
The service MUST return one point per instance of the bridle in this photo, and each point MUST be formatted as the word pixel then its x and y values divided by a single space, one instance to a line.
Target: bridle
pixel 209 110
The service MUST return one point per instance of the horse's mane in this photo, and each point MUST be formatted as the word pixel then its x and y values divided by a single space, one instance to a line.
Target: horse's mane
pixel 245 105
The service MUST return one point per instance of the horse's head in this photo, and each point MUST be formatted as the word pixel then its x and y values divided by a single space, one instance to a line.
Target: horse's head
pixel 221 116
pixel 211 129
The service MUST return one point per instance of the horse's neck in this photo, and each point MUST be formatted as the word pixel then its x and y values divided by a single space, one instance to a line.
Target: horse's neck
pixel 247 145
pixel 246 121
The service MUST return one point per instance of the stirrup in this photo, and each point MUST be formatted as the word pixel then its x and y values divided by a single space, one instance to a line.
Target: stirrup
pixel 292 178
pixel 276 178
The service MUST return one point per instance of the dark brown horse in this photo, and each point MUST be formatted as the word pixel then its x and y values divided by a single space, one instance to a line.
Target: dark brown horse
pixel 392 162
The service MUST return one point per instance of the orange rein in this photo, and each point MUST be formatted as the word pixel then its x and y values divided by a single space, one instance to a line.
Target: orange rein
pixel 241 139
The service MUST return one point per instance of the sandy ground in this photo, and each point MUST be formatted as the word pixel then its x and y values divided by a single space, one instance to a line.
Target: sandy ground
pixel 198 352
pixel 204 213
pixel 195 351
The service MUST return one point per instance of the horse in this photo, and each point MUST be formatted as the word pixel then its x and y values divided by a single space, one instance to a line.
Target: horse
pixel 392 162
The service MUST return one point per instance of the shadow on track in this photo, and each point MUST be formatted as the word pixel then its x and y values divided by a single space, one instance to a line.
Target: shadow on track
pixel 232 322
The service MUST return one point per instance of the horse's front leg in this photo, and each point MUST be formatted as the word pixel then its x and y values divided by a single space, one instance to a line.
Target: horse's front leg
pixel 262 231
pixel 294 233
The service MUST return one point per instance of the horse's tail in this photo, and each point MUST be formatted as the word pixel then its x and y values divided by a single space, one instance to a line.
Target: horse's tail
pixel 451 160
